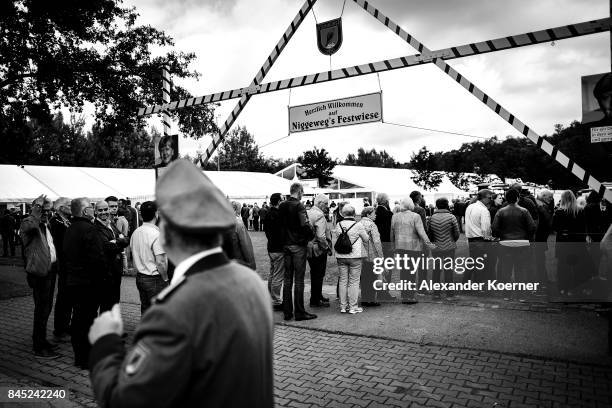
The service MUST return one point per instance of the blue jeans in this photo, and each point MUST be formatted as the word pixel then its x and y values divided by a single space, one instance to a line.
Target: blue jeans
pixel 295 268
pixel 148 287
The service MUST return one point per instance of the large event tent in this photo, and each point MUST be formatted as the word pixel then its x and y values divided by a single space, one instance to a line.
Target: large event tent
pixel 24 183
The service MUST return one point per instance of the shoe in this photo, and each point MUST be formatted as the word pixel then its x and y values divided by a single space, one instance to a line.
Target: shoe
pixel 370 304
pixel 409 302
pixel 343 310
pixel 307 316
pixel 319 304
pixel 50 346
pixel 324 299
pixel 288 317
pixel 81 366
pixel 61 337
pixel 278 308
pixel 46 354
pixel 356 310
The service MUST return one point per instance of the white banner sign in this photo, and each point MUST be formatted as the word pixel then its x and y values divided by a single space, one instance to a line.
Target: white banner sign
pixel 354 110
pixel 601 134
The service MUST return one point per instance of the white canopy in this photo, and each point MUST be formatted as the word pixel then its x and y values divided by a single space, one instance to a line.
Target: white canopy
pixel 25 183
pixel 397 183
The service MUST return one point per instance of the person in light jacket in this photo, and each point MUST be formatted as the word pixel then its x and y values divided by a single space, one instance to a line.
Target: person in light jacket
pixel 409 237
pixel 349 265
pixel 318 249
pixel 372 248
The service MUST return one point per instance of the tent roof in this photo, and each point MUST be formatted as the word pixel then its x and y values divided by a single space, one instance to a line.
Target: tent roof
pixel 391 181
pixel 25 183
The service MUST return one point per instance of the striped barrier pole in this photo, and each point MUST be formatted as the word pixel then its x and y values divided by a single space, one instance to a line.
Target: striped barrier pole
pixel 483 47
pixel 166 89
pixel 295 24
pixel 542 143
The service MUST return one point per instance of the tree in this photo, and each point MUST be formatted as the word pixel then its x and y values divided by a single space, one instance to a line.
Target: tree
pixel 317 164
pixel 67 53
pixel 239 151
pixel 371 158
pixel 424 164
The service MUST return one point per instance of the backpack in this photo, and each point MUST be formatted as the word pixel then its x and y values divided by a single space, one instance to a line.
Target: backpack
pixel 343 244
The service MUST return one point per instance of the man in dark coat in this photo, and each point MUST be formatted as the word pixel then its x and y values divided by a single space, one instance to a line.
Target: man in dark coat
pixel 114 244
pixel 383 223
pixel 63 307
pixel 86 272
pixel 207 340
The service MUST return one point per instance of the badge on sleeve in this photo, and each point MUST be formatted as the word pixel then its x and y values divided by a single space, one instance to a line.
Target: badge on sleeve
pixel 137 357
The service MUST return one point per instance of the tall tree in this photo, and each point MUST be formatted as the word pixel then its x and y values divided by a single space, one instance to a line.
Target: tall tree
pixel 317 164
pixel 371 158
pixel 67 53
pixel 425 166
pixel 239 151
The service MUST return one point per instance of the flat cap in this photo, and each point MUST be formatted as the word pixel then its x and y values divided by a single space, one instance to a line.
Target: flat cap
pixel 188 200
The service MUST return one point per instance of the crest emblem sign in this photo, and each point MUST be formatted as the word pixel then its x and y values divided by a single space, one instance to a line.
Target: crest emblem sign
pixel 329 36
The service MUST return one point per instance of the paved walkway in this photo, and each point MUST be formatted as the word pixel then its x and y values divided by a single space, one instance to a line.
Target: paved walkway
pixel 316 368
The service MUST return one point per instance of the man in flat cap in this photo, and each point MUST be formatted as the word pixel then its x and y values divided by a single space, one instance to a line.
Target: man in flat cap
pixel 207 340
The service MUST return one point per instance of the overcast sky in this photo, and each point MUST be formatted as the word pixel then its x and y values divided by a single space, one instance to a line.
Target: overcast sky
pixel 539 84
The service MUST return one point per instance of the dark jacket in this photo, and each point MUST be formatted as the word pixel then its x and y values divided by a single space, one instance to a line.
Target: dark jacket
pixel 421 211
pixel 570 228
pixel 112 250
pixel 513 222
pixel 58 228
pixel 545 214
pixel 595 222
pixel 296 227
pixel 273 227
pixel 206 342
pixel 529 202
pixel 244 212
pixel 133 221
pixel 84 253
pixel 383 222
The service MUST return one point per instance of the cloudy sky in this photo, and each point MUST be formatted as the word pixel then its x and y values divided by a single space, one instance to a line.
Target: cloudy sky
pixel 539 84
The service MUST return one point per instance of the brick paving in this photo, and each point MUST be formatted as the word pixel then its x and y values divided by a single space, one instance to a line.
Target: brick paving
pixel 321 369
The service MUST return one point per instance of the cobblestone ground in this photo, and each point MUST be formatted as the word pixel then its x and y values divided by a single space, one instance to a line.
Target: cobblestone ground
pixel 322 369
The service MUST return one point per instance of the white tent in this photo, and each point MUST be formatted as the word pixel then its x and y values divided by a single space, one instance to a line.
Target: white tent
pixel 397 183
pixel 24 183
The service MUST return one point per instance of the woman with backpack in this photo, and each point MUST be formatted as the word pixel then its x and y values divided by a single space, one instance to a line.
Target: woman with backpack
pixel 348 248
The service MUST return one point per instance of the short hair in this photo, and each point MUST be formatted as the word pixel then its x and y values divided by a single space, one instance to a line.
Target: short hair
pixel 442 203
pixel 200 240
pixel 512 196
pixel 61 202
pixel 406 204
pixel 128 201
pixel 517 186
pixel 414 195
pixel 593 198
pixel 236 206
pixel 296 188
pixel 275 199
pixel 348 210
pixel 320 198
pixel 78 205
pixel 111 198
pixel 544 193
pixel 367 211
pixel 163 140
pixel 382 198
pixel 484 193
pixel 602 86
pixel 148 210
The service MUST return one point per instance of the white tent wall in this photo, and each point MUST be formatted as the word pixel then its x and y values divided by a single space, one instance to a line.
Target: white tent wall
pixel 22 184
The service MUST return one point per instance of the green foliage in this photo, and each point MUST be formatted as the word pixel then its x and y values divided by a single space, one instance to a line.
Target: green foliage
pixel 239 151
pixel 317 164
pixel 425 166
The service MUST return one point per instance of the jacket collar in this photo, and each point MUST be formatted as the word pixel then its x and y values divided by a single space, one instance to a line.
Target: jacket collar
pixel 208 262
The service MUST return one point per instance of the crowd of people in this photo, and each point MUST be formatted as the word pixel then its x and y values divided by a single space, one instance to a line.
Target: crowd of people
pixel 508 233
pixel 85 247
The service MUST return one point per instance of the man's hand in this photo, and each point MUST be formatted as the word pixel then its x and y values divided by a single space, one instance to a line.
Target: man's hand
pixel 107 323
